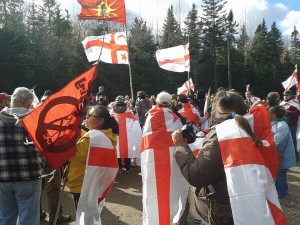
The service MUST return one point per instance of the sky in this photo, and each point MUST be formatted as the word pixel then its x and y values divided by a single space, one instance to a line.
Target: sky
pixel 286 13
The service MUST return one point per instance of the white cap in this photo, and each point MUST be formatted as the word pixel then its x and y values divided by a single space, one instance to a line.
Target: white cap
pixel 164 97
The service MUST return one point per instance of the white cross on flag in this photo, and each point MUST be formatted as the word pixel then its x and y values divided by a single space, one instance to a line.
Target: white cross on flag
pixel 176 59
pixel 291 81
pixel 112 47
pixel 184 89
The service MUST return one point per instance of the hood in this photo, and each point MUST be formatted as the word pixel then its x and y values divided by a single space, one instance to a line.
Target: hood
pixel 113 138
pixel 13 115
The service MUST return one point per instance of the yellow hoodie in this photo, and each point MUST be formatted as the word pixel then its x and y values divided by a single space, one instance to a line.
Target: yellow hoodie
pixel 78 160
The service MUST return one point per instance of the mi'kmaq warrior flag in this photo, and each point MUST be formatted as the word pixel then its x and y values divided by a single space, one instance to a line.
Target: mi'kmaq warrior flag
pixel 112 10
pixel 184 89
pixel 250 170
pixel 55 126
pixel 165 189
pixel 130 135
pixel 110 48
pixel 100 172
pixel 176 59
pixel 291 81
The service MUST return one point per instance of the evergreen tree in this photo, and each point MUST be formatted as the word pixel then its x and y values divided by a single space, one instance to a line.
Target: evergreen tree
pixel 192 35
pixel 213 18
pixel 243 44
pixel 171 35
pixel 295 46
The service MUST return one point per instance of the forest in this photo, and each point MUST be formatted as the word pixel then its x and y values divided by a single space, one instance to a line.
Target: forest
pixel 40 46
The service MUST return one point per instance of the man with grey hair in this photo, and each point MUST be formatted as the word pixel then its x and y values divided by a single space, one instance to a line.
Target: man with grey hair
pixel 21 165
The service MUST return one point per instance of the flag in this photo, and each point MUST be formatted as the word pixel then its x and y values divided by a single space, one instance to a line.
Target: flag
pixel 112 10
pixel 207 103
pixel 184 89
pixel 291 81
pixel 190 113
pixel 165 189
pixel 100 173
pixel 247 87
pixel 250 181
pixel 55 126
pixel 36 101
pixel 130 135
pixel 176 59
pixel 112 47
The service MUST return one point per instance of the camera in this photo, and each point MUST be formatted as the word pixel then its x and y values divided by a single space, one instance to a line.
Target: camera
pixel 188 133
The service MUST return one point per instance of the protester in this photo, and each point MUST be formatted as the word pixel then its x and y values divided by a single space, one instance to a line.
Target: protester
pixel 273 98
pixel 129 140
pixel 21 164
pixel 141 107
pixel 164 188
pixel 94 166
pixel 285 147
pixel 250 99
pixel 101 97
pixel 4 100
pixel 229 143
pixel 292 108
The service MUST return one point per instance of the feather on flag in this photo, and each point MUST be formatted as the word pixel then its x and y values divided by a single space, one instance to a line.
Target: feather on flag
pixel 291 81
pixel 112 10
pixel 112 47
pixel 176 59
pixel 165 189
pixel 184 89
pixel 55 126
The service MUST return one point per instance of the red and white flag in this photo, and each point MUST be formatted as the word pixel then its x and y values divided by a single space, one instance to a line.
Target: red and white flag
pixel 165 189
pixel 291 81
pixel 100 173
pixel 130 135
pixel 112 47
pixel 184 89
pixel 191 113
pixel 176 59
pixel 250 181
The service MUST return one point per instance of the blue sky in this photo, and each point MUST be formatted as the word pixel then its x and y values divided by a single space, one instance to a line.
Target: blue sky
pixel 286 13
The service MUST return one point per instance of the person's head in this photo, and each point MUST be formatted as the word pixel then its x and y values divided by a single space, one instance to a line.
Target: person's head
pixel 163 99
pixel 287 95
pixel 152 101
pixel 273 98
pixel 4 99
pixel 101 89
pixel 141 94
pixel 183 99
pixel 120 105
pixel 277 112
pixel 22 97
pixel 248 94
pixel 231 105
pixel 127 98
pixel 98 118
pixel 174 97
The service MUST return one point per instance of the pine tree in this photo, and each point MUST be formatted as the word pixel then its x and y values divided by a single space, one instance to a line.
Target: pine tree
pixel 171 34
pixel 295 46
pixel 214 32
pixel 243 43
pixel 192 35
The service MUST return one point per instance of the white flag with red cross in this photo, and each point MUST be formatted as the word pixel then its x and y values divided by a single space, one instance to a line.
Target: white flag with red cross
pixel 291 81
pixel 250 171
pixel 110 48
pixel 191 113
pixel 184 89
pixel 130 135
pixel 176 59
pixel 100 173
pixel 165 189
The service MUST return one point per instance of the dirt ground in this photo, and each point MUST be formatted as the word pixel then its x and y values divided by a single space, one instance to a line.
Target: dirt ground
pixel 124 203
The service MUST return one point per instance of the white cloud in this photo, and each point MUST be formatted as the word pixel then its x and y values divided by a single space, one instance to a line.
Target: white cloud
pixel 292 19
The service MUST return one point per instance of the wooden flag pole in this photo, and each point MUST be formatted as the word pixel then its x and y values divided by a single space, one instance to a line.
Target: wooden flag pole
pixel 129 67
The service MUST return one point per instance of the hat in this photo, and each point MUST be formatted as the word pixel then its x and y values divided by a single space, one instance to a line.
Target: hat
pixel 4 96
pixel 164 97
pixel 288 92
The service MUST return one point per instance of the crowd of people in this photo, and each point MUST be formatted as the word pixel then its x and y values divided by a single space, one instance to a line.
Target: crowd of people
pixel 257 137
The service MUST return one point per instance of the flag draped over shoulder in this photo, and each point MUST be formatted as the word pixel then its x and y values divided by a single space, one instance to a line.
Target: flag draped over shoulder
pixel 112 47
pixel 291 81
pixel 130 135
pixel 112 10
pixel 54 126
pixel 100 173
pixel 184 89
pixel 165 189
pixel 251 187
pixel 176 59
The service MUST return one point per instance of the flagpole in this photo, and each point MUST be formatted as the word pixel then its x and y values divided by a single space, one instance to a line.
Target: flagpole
pixel 129 67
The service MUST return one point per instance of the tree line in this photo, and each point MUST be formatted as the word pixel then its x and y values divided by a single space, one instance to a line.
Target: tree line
pixel 40 45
